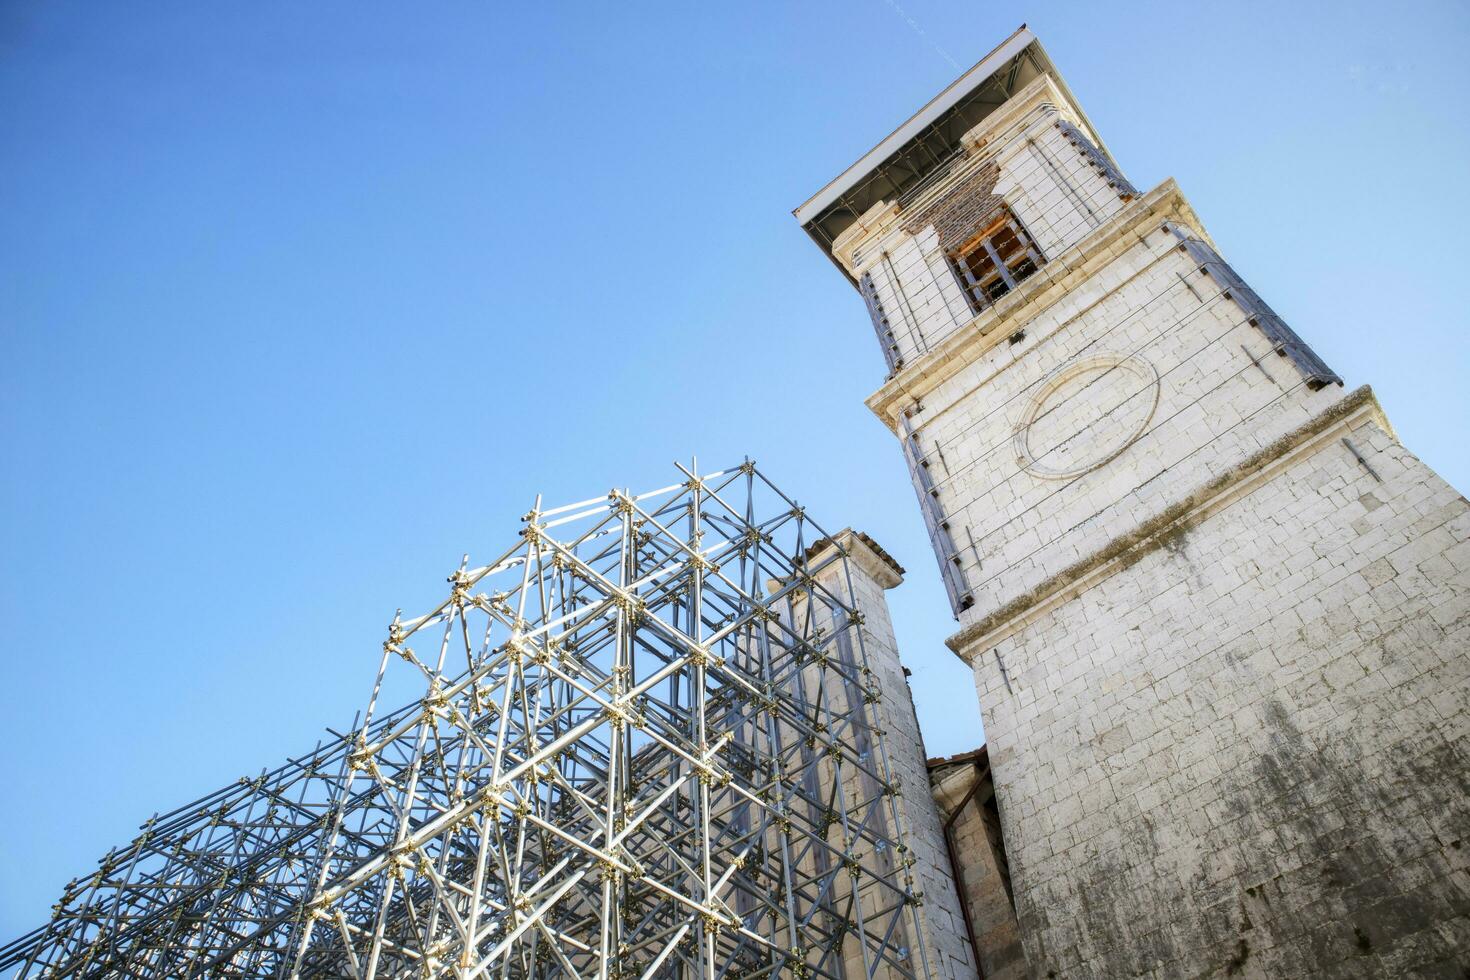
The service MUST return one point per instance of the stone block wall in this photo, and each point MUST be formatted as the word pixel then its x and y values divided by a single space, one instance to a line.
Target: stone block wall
pixel 1135 380
pixel 872 572
pixel 1081 439
pixel 965 794
pixel 1219 617
pixel 1242 747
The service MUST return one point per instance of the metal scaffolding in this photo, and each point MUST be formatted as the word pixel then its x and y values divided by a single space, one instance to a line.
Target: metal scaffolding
pixel 644 743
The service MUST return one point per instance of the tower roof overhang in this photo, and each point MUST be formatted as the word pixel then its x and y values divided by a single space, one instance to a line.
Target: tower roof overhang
pixel 925 144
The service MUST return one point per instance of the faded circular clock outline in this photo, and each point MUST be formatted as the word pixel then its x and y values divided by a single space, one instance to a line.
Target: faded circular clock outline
pixel 1053 382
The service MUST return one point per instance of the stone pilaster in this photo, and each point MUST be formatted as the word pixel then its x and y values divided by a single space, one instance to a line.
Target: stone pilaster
pixel 870 572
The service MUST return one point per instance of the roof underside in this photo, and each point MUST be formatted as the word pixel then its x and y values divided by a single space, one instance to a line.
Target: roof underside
pixel 923 148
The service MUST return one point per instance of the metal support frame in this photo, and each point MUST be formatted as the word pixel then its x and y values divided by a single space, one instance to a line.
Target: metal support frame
pixel 951 568
pixel 1284 340
pixel 1100 161
pixel 886 340
pixel 644 743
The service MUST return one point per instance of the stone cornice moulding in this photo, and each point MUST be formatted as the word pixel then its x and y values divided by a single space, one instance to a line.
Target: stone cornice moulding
pixel 875 222
pixel 864 552
pixel 1033 297
pixel 1041 92
pixel 1317 433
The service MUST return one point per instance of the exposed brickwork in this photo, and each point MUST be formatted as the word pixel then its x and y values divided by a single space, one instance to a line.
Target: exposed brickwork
pixel 966 206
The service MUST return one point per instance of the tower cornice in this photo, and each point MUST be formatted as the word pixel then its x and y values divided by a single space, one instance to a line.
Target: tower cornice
pixel 1322 430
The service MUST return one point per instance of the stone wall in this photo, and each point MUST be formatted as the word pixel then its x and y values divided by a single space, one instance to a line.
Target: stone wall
pixel 872 572
pixel 965 793
pixel 1246 749
pixel 1219 617
pixel 1134 378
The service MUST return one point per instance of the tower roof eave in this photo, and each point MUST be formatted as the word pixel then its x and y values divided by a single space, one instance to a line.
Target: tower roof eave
pixel 928 140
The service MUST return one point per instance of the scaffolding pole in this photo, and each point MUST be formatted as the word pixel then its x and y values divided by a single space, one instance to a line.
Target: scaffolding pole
pixel 645 744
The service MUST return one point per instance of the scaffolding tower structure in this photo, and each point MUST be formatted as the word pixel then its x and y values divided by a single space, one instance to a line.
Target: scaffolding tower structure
pixel 644 741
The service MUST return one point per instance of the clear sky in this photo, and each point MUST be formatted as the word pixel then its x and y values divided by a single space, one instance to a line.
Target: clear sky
pixel 300 301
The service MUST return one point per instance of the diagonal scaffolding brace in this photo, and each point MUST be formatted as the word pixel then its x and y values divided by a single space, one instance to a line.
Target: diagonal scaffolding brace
pixel 642 742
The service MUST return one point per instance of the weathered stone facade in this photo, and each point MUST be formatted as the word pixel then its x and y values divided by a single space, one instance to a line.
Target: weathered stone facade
pixel 970 820
pixel 870 572
pixel 1238 745
pixel 1219 617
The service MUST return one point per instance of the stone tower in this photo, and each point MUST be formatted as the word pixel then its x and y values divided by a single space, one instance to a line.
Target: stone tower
pixel 1219 617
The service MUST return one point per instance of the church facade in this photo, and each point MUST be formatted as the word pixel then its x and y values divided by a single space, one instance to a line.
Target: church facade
pixel 1218 615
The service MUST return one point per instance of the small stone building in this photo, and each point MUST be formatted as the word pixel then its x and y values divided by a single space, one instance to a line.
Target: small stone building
pixel 1218 615
pixel 974 845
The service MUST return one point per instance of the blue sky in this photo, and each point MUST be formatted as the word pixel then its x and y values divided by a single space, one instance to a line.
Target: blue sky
pixel 298 302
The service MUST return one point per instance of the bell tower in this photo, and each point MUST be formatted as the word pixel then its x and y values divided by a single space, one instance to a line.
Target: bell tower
pixel 1217 614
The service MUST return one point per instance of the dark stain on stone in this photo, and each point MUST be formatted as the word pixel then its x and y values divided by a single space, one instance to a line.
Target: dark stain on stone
pixel 1153 837
pixel 1341 803
pixel 1237 962
pixel 1175 541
